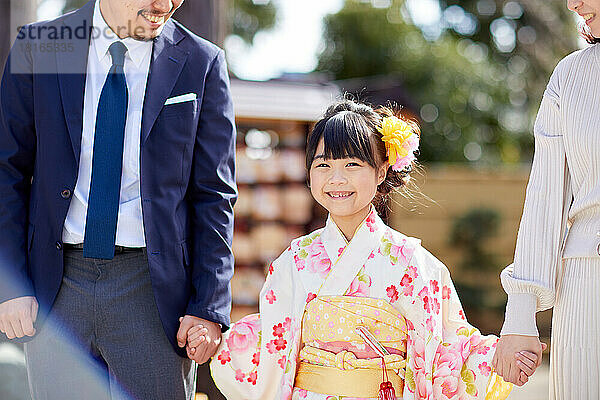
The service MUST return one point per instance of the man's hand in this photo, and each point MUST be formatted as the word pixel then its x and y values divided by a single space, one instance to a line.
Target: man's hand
pixel 508 359
pixel 17 317
pixel 207 342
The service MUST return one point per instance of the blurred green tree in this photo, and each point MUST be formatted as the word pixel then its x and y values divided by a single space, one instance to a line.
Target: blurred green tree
pixel 475 96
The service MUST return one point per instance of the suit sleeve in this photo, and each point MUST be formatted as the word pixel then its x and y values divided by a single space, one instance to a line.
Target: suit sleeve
pixel 212 194
pixel 17 158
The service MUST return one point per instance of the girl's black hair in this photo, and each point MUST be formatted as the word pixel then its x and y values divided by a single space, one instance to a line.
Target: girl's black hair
pixel 349 129
pixel 346 130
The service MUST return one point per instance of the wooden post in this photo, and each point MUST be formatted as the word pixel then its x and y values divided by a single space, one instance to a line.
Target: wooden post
pixel 206 18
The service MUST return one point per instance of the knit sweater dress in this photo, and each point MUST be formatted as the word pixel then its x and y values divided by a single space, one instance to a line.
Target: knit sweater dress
pixel 557 257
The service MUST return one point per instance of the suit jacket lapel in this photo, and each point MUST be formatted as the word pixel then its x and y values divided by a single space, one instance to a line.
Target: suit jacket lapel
pixel 71 71
pixel 167 63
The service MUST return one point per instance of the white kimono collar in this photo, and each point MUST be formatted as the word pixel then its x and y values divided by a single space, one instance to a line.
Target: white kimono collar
pixel 348 258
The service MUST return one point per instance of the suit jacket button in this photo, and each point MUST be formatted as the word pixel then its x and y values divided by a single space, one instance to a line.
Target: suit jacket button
pixel 65 194
pixel 58 246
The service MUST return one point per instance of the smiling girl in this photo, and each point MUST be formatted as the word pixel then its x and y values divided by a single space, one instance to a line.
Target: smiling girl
pixel 356 310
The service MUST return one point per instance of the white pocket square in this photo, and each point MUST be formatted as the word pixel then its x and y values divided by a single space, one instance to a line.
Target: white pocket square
pixel 180 99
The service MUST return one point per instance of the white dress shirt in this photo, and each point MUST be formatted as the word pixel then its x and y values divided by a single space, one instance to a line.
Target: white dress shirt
pixel 130 227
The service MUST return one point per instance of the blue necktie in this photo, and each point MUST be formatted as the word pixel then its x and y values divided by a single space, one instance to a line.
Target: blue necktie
pixel 107 161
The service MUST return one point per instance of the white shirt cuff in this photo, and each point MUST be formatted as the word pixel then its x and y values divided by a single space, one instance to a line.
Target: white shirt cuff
pixel 519 318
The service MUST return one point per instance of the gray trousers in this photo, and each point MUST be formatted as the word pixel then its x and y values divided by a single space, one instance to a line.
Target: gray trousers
pixel 103 338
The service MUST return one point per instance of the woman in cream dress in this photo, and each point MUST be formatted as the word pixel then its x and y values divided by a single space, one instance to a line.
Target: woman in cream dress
pixel 557 257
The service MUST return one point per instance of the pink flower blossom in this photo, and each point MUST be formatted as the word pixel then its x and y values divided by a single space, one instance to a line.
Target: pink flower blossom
pixel 406 280
pixel 434 286
pixel 372 255
pixel 281 362
pixel 252 377
pixel 401 253
pixel 435 306
pixel 244 334
pixel 287 323
pixel 430 323
pixel 317 261
pixel 278 330
pixel 408 290
pixel 448 365
pixel 239 375
pixel 485 368
pixel 271 269
pixel 310 297
pixel 412 272
pixel 300 263
pixel 358 288
pixel 340 251
pixel 224 357
pixel 483 350
pixel 279 343
pixel 270 296
pixel 392 293
pixel 271 347
pixel 256 358
pixel 446 292
pixel 370 221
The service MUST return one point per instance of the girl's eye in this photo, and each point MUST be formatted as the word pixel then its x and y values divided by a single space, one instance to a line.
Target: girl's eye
pixel 353 164
pixel 321 165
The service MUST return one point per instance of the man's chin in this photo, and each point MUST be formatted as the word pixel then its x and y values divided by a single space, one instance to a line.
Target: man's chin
pixel 146 35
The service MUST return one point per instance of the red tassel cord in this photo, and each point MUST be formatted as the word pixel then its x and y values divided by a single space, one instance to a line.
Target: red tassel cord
pixel 386 390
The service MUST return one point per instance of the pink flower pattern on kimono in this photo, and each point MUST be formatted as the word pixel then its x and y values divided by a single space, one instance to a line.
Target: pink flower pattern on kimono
pixel 399 253
pixel 416 374
pixel 300 264
pixel 270 296
pixel 318 262
pixel 448 365
pixel 370 222
pixel 392 293
pixel 244 334
pixel 485 368
pixel 446 292
pixel 360 286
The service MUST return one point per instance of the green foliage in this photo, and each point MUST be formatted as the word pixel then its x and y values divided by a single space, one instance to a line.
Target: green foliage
pixel 475 101
pixel 470 232
pixel 248 17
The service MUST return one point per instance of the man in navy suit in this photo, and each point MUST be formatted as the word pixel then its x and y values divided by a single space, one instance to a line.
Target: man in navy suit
pixel 117 143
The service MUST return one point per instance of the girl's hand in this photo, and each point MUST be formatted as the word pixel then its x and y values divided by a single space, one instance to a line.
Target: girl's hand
pixel 505 361
pixel 196 336
pixel 527 362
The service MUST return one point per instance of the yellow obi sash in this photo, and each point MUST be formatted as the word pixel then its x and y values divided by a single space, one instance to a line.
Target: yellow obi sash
pixel 331 321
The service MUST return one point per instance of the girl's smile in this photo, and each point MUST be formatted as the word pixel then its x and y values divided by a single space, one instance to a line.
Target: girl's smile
pixel 345 187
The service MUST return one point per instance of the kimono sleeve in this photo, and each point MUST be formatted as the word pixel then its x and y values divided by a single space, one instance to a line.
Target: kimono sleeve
pixel 447 356
pixel 252 357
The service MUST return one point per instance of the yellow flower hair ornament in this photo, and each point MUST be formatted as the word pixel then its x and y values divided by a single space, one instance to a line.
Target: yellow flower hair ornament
pixel 401 142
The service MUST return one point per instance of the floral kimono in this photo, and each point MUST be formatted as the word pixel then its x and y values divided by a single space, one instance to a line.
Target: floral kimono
pixel 321 289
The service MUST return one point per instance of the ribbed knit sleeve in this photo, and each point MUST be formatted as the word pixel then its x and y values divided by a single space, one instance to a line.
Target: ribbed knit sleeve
pixel 530 280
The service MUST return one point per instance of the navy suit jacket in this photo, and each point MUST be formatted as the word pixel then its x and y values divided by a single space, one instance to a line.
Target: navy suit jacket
pixel 186 167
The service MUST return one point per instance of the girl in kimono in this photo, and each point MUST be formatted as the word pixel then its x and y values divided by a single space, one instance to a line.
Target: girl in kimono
pixel 355 304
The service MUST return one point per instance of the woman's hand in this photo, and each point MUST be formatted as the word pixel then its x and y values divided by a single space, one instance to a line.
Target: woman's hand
pixel 511 360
